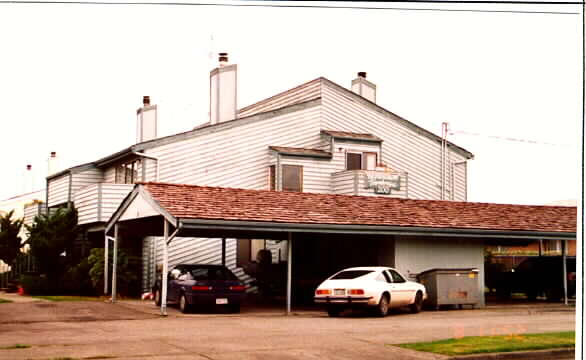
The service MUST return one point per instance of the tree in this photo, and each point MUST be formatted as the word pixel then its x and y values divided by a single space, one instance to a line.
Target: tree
pixel 52 236
pixel 10 242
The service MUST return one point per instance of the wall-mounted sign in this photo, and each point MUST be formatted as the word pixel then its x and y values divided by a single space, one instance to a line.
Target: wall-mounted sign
pixel 382 183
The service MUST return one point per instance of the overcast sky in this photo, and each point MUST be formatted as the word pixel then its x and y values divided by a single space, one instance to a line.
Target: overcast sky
pixel 508 83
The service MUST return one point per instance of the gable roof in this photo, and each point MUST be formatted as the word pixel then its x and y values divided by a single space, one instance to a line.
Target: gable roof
pixel 263 206
pixel 297 98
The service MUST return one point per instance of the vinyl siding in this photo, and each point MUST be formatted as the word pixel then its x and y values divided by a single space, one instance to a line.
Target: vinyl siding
pixel 58 190
pixel 343 183
pixel 403 149
pixel 236 156
pixel 32 210
pixel 302 93
pixel 82 179
pixel 97 203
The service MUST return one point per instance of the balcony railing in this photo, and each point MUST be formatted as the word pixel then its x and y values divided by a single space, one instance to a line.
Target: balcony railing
pixel 371 183
pixel 97 202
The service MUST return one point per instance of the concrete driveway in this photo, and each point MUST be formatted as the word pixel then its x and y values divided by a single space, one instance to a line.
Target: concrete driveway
pixel 133 330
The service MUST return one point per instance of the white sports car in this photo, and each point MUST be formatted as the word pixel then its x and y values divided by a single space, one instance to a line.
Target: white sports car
pixel 376 287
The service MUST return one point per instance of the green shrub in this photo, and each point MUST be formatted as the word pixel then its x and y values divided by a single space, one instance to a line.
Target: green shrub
pixel 77 281
pixel 36 285
pixel 127 280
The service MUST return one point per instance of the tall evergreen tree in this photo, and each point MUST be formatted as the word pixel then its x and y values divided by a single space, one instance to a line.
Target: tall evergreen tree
pixel 10 242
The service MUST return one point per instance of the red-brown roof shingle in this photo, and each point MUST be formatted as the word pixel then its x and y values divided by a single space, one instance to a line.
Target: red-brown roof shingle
pixel 351 135
pixel 301 151
pixel 215 203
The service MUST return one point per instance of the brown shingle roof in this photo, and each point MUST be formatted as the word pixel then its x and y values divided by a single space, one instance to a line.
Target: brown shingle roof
pixel 214 203
pixel 301 151
pixel 351 135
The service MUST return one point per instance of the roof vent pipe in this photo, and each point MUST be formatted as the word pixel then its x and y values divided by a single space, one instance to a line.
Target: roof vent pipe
pixel 223 91
pixel 28 180
pixel 146 121
pixel 363 87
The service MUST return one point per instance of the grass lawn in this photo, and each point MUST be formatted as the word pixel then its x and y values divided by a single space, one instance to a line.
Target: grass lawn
pixel 67 298
pixel 493 344
pixel 4 301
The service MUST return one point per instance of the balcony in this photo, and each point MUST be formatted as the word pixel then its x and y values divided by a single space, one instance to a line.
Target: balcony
pixel 371 183
pixel 97 202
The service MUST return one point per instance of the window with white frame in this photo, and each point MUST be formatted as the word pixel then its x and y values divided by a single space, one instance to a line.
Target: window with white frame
pixel 361 160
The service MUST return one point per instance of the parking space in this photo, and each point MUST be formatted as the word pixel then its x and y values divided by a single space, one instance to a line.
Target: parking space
pixel 133 329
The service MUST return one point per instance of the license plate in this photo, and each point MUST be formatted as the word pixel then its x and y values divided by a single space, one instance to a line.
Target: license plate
pixel 339 292
pixel 221 301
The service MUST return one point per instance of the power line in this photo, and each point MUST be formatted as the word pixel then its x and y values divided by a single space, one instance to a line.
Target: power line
pixel 506 138
pixel 244 4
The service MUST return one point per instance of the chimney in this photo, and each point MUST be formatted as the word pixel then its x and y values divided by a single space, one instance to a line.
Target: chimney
pixel 146 121
pixel 28 180
pixel 363 87
pixel 52 164
pixel 223 91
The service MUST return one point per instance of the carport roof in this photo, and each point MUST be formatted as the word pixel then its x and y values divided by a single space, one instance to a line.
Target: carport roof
pixel 213 205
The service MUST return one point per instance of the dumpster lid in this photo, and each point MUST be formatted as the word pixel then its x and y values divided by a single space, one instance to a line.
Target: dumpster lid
pixel 450 270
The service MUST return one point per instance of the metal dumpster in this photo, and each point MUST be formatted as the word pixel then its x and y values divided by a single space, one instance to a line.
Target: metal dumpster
pixel 451 287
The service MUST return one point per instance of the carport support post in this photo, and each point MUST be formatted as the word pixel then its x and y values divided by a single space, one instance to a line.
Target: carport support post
pixel 165 270
pixel 114 263
pixel 224 251
pixel 289 261
pixel 106 248
pixel 564 255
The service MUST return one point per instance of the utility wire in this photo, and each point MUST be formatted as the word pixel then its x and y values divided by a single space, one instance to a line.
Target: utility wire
pixel 244 4
pixel 505 138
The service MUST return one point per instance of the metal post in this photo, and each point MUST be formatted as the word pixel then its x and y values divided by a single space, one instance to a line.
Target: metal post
pixel 564 257
pixel 115 263
pixel 164 275
pixel 224 251
pixel 106 248
pixel 289 262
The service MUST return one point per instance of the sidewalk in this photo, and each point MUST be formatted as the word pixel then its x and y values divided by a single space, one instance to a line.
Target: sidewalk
pixel 14 297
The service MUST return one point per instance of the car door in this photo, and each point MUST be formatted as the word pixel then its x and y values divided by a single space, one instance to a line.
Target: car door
pixel 403 289
pixel 390 287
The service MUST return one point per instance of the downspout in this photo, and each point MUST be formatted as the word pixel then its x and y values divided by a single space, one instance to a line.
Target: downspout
pixel 152 158
pixel 278 185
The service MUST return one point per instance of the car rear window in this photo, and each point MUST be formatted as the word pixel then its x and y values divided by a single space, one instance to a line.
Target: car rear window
pixel 212 273
pixel 350 274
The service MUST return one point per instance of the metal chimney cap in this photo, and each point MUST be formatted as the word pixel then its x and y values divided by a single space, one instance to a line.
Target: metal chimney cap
pixel 223 57
pixel 28 167
pixel 146 100
pixel 362 74
pixel 53 154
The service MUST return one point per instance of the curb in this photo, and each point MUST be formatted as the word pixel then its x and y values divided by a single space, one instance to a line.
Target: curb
pixel 521 355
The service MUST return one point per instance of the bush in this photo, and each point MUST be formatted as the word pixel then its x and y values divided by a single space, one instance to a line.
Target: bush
pixel 127 280
pixel 36 285
pixel 77 281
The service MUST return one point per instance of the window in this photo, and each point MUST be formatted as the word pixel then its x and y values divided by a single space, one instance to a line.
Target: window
pixel 292 178
pixel 127 173
pixel 350 274
pixel 272 178
pixel 397 278
pixel 361 161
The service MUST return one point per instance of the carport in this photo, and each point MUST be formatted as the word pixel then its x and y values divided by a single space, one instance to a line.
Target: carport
pixel 173 210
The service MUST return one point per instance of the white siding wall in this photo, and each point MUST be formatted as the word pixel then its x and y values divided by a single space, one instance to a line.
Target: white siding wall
pixel 30 211
pixel 84 178
pixel 403 148
pixel 58 190
pixel 344 183
pixel 97 203
pixel 414 255
pixel 110 175
pixel 237 156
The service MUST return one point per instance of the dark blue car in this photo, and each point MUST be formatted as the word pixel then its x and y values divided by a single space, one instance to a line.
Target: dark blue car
pixel 208 286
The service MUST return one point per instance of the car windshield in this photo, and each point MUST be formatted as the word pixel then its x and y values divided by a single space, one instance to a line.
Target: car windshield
pixel 212 273
pixel 350 274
